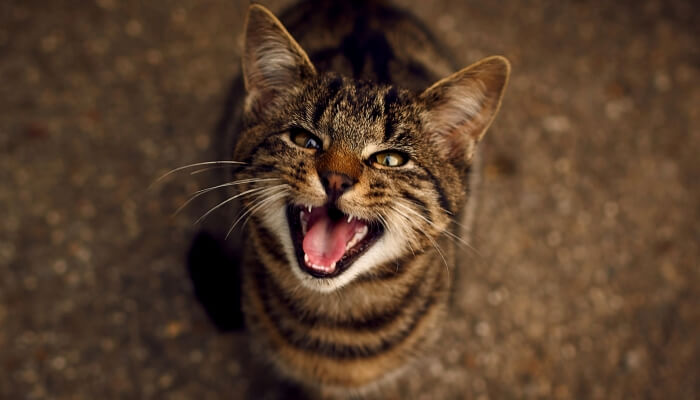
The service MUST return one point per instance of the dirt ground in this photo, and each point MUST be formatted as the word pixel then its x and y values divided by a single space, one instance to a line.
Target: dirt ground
pixel 586 282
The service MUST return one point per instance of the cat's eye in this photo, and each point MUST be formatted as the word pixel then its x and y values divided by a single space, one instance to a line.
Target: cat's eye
pixel 389 158
pixel 305 139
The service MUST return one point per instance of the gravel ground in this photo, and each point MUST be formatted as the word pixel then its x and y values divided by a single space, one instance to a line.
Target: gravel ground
pixel 586 280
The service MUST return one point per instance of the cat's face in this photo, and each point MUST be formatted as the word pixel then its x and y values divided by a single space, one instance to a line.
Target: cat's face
pixel 349 175
pixel 364 184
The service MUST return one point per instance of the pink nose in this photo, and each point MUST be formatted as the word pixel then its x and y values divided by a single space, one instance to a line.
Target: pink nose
pixel 336 183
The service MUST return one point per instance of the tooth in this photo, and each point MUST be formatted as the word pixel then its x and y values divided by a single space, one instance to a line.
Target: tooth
pixel 332 267
pixel 306 258
pixel 309 209
pixel 357 237
pixel 350 218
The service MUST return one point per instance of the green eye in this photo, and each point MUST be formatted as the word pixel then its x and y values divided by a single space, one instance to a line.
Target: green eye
pixel 305 139
pixel 389 159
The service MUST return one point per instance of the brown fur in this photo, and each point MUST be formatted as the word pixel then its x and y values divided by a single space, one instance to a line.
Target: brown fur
pixel 361 89
pixel 341 162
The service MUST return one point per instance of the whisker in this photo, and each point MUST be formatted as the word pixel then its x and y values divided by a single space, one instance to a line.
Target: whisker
pixel 387 224
pixel 230 199
pixel 165 175
pixel 435 245
pixel 386 227
pixel 448 212
pixel 383 221
pixel 209 189
pixel 247 210
pixel 282 191
pixel 278 189
pixel 446 232
pixel 255 208
pixel 199 171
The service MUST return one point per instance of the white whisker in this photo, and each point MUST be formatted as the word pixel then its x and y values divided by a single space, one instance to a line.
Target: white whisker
pixel 165 175
pixel 435 245
pixel 255 208
pixel 265 202
pixel 386 224
pixel 230 199
pixel 209 189
pixel 446 232
pixel 199 171
pixel 448 212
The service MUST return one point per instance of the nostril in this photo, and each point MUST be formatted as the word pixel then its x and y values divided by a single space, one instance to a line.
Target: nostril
pixel 336 183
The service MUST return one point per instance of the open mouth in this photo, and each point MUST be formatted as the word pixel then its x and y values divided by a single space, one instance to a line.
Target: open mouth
pixel 327 241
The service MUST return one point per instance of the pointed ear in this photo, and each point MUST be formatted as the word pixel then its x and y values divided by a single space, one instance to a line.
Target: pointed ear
pixel 461 107
pixel 273 62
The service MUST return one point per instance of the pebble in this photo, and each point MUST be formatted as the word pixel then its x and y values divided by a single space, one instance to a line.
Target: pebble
pixel 58 363
pixel 617 108
pixel 134 28
pixel 60 267
pixel 556 124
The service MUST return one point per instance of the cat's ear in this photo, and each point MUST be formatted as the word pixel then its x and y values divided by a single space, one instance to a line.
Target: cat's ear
pixel 273 61
pixel 461 107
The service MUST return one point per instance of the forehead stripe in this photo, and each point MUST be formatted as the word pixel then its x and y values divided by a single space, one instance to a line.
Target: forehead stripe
pixel 321 106
pixel 390 98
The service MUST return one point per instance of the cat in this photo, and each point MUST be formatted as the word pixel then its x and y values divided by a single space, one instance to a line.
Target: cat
pixel 358 143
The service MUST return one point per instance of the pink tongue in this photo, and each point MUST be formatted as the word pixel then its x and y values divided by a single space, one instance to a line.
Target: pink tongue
pixel 325 239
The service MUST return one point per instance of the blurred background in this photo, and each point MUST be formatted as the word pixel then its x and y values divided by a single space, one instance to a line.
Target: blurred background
pixel 586 282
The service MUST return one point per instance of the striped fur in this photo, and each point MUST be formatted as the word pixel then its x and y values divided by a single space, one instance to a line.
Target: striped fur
pixel 361 90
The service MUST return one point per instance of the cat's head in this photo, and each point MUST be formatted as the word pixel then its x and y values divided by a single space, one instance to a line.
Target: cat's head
pixel 352 176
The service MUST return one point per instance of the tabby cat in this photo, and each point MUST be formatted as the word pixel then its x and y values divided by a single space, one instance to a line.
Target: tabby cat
pixel 356 167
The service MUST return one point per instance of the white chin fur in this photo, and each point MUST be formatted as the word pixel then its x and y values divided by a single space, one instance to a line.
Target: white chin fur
pixel 388 247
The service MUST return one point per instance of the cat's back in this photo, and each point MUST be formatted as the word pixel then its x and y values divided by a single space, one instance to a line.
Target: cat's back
pixel 369 40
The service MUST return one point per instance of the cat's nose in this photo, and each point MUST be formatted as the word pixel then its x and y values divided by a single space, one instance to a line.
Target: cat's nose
pixel 336 183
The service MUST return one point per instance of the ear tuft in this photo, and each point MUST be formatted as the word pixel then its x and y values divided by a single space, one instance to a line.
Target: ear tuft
pixel 460 108
pixel 273 62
